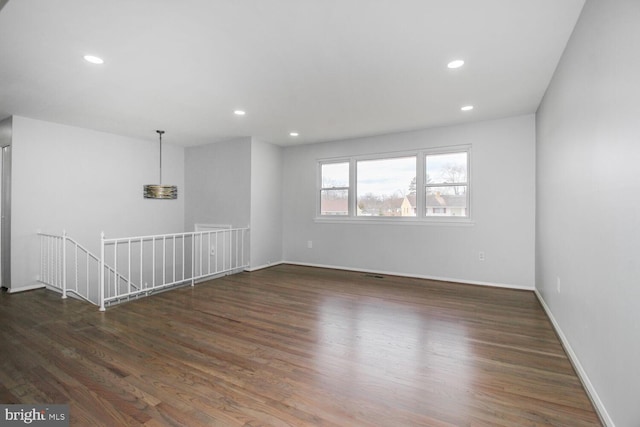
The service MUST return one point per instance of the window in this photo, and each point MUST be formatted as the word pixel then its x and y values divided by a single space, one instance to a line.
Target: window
pixel 334 189
pixel 382 186
pixel 446 184
pixel 424 184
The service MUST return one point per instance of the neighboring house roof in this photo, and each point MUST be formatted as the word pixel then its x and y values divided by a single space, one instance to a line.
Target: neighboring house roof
pixel 447 200
pixel 335 206
pixel 411 198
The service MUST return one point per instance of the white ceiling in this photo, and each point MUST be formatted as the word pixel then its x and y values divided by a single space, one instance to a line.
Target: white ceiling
pixel 329 69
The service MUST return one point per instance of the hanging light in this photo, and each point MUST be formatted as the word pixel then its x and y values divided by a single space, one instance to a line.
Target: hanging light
pixel 159 191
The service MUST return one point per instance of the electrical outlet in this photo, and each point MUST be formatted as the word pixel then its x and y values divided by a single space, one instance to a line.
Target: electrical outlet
pixel 558 284
pixel 481 256
pixel 309 244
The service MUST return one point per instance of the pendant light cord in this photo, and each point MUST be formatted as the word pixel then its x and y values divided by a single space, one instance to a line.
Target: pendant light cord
pixel 160 132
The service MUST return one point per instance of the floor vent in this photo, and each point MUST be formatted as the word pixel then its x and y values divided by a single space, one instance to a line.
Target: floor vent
pixel 374 276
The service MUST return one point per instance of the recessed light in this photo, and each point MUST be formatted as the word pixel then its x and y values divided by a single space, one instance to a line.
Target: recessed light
pixel 93 59
pixel 239 113
pixel 467 108
pixel 293 134
pixel 456 64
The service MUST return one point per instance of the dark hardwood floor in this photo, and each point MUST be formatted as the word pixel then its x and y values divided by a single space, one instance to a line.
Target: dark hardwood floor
pixel 294 346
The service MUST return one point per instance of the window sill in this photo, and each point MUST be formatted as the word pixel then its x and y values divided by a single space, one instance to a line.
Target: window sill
pixel 443 222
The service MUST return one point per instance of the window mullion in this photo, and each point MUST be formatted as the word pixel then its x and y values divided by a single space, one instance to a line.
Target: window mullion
pixel 352 188
pixel 334 188
pixel 449 184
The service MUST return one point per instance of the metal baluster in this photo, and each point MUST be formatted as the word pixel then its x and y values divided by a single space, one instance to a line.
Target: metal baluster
pixel 141 258
pixel 183 260
pixel 129 262
pixel 153 262
pixel 208 253
pixel 164 260
pixel 216 257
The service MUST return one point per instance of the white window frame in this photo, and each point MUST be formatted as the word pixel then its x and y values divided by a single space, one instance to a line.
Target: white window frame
pixel 391 156
pixel 437 152
pixel 321 189
pixel 421 217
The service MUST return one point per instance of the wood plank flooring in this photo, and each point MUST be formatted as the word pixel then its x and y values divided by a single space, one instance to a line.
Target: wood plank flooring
pixel 294 346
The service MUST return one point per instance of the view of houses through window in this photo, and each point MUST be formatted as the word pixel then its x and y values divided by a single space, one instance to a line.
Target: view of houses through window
pixel 387 186
pixel 382 186
pixel 334 189
pixel 446 184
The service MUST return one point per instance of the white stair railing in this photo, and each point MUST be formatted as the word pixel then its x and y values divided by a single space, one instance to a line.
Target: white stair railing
pixel 133 267
pixel 159 262
pixel 69 267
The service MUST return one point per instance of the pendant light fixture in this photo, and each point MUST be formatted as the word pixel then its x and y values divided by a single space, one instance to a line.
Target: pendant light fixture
pixel 159 191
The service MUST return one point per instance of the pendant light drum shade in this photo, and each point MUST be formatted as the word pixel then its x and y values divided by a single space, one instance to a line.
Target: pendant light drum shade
pixel 159 191
pixel 152 191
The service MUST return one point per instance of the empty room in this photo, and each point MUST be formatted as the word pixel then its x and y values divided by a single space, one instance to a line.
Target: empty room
pixel 320 213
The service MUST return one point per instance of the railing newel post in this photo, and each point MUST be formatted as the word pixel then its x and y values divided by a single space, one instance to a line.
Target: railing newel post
pixel 101 296
pixel 193 259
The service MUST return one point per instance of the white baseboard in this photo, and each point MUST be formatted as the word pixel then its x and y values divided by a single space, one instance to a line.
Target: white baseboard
pixel 26 288
pixel 415 276
pixel 261 267
pixel 582 374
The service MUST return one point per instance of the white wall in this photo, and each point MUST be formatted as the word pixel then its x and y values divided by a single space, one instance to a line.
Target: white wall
pixel 502 206
pixel 588 203
pixel 266 204
pixel 218 184
pixel 238 182
pixel 85 182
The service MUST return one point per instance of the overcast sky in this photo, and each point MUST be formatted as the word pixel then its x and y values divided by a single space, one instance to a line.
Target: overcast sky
pixel 386 176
